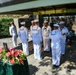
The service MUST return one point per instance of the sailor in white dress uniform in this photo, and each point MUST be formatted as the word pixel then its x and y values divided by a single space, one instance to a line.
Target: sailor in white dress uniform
pixel 56 37
pixel 23 35
pixel 46 29
pixel 36 34
pixel 13 33
pixel 64 32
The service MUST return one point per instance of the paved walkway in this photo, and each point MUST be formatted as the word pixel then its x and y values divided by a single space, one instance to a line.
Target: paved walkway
pixel 9 41
pixel 44 67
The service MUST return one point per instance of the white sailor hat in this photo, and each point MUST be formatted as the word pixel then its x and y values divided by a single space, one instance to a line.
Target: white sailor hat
pixel 32 21
pixel 22 23
pixel 56 25
pixel 45 21
pixel 36 20
pixel 62 22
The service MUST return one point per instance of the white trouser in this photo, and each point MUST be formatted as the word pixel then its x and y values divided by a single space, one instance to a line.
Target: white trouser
pixel 14 40
pixel 56 54
pixel 25 48
pixel 37 51
pixel 63 44
pixel 46 42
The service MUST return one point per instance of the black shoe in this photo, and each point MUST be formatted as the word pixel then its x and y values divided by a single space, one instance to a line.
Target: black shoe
pixel 46 51
pixel 62 54
pixel 56 66
pixel 53 67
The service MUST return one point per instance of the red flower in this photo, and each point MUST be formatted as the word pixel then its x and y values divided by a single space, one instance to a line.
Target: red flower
pixel 11 49
pixel 12 61
pixel 21 61
pixel 8 54
pixel 0 50
pixel 16 53
pixel 13 55
pixel 20 51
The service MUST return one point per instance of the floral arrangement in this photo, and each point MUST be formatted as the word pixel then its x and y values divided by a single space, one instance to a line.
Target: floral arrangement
pixel 12 56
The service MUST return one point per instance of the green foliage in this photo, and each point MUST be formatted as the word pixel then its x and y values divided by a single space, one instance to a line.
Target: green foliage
pixel 4 27
pixel 22 56
pixel 3 55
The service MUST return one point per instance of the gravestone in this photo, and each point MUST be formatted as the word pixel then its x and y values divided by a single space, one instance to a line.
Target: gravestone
pixel 5 46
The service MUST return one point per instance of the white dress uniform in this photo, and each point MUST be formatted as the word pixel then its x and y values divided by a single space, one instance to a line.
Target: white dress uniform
pixel 64 32
pixel 56 37
pixel 46 40
pixel 37 39
pixel 13 33
pixel 23 34
pixel 31 27
pixel 31 30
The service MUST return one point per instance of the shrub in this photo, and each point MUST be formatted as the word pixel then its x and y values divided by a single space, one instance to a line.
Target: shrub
pixel 4 27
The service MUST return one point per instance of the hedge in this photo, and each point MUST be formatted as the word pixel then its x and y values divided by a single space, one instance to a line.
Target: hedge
pixel 4 27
